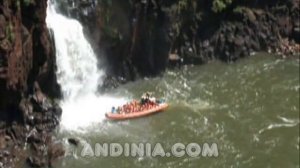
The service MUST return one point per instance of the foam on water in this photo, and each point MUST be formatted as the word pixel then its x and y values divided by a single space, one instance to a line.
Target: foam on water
pixel 87 110
pixel 77 73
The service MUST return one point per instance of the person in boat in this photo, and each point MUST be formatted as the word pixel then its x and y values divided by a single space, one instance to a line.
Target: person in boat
pixel 146 97
pixel 160 101
pixel 113 110
pixel 152 99
pixel 119 110
pixel 143 99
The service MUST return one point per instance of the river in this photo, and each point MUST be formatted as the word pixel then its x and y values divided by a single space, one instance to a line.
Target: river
pixel 249 109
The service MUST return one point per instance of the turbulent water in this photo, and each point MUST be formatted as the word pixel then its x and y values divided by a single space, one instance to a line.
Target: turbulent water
pixel 77 73
pixel 250 109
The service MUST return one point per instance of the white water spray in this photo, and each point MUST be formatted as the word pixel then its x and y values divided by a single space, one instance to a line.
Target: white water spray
pixel 77 73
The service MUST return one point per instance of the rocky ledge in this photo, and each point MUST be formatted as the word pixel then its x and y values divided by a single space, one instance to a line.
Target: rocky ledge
pixel 28 87
pixel 32 139
pixel 143 37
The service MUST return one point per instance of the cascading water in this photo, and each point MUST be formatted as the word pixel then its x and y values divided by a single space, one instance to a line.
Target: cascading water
pixel 77 73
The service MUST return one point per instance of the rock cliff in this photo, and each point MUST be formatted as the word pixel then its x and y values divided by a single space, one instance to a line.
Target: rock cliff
pixel 28 113
pixel 142 37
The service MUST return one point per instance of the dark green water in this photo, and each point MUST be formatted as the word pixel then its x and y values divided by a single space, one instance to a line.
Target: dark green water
pixel 249 108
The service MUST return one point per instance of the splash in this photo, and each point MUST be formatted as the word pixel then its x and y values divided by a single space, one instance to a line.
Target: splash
pixel 77 73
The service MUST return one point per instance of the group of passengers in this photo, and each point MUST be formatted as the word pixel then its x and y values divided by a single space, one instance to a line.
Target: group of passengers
pixel 147 101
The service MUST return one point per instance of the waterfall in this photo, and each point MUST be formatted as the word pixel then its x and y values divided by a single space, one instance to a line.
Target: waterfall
pixel 77 73
pixel 76 61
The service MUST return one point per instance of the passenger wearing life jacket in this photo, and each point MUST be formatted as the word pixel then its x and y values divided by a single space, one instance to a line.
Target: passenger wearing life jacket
pixel 113 110
pixel 147 102
pixel 146 97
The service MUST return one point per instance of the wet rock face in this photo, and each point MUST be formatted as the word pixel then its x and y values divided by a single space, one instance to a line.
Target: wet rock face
pixel 16 47
pixel 130 38
pixel 26 51
pixel 28 113
pixel 35 133
pixel 140 37
pixel 245 27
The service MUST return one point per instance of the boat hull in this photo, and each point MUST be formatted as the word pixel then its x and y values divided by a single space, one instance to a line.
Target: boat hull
pixel 154 110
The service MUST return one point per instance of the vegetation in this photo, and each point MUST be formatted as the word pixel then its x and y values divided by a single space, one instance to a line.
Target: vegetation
pixel 28 2
pixel 10 33
pixel 239 9
pixel 106 14
pixel 217 6
pixel 220 5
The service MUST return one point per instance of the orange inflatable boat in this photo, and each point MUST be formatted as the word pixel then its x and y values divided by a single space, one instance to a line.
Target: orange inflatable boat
pixel 156 109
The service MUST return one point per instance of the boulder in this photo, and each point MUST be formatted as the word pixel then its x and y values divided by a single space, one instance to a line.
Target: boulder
pixel 250 15
pixel 2 142
pixel 239 41
pixel 5 45
pixel 36 162
pixel 55 151
pixel 73 141
pixel 2 27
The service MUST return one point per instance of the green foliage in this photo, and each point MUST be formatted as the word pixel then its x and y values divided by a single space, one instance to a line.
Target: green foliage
pixel 186 12
pixel 28 2
pixel 220 5
pixel 105 13
pixel 18 4
pixel 105 10
pixel 182 5
pixel 106 2
pixel 239 9
pixel 10 33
